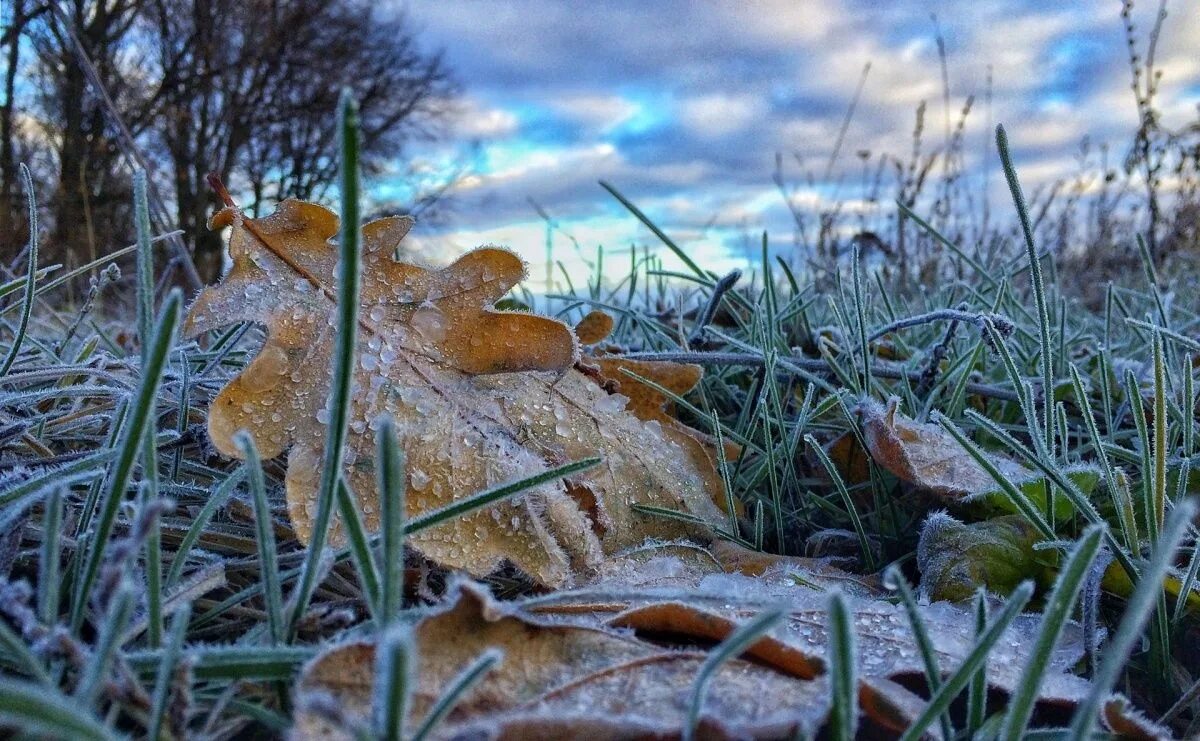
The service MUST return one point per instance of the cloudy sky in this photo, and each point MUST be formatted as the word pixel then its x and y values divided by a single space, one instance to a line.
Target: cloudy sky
pixel 682 105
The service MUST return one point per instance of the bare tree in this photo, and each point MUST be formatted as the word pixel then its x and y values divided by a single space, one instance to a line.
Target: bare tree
pixel 248 89
pixel 243 88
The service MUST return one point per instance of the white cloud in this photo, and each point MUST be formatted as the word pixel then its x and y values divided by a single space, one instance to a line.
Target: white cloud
pixel 718 115
pixel 683 105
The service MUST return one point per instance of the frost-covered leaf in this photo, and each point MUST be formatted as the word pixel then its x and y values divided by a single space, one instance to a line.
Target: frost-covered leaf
pixel 562 680
pixel 615 660
pixel 634 383
pixel 926 456
pixel 479 397
pixel 956 558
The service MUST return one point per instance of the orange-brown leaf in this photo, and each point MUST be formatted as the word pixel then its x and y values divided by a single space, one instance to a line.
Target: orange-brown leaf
pixel 479 396
pixel 594 327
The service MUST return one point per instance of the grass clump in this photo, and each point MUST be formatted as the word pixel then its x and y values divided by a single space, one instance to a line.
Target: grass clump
pixel 151 588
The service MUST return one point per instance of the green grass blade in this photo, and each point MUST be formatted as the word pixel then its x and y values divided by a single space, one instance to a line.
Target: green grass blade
pixel 166 672
pixel 360 547
pixel 45 711
pixel 733 646
pixel 391 487
pixel 843 672
pixel 490 496
pixel 231 663
pixel 49 578
pixel 31 272
pixel 145 263
pixel 137 422
pixel 458 687
pixel 214 502
pixel 264 532
pixel 1039 286
pixel 1055 617
pixel 1137 611
pixel 933 674
pixel 99 664
pixel 830 469
pixel 670 244
pixel 19 653
pixel 394 665
pixel 977 688
pixel 345 339
pixel 978 655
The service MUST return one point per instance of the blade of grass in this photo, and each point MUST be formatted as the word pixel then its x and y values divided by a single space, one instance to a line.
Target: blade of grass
pixel 933 675
pixel 977 688
pixel 1039 287
pixel 96 671
pixel 264 531
pixel 20 655
pixel 166 672
pixel 843 671
pixel 31 271
pixel 1137 611
pixel 360 547
pixel 196 529
pixel 345 339
pixel 231 663
pixel 940 700
pixel 394 665
pixel 132 436
pixel 46 711
pixel 1055 617
pixel 49 578
pixel 391 487
pixel 456 689
pixel 733 646
pixel 670 244
pixel 851 510
pixel 490 496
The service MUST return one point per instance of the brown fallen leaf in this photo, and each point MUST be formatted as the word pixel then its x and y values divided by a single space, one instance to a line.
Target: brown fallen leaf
pixel 594 327
pixel 559 680
pixel 926 456
pixel 620 663
pixel 479 397
pixel 651 405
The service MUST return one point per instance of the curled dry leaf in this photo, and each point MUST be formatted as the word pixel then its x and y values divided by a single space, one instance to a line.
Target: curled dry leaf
pixel 479 397
pixel 931 460
pixel 926 456
pixel 594 327
pixel 619 661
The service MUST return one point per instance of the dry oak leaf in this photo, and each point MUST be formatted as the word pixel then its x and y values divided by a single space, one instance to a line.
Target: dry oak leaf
pixel 619 662
pixel 651 405
pixel 479 397
pixel 558 680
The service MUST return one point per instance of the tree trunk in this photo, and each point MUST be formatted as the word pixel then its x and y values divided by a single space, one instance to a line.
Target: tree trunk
pixel 70 226
pixel 14 231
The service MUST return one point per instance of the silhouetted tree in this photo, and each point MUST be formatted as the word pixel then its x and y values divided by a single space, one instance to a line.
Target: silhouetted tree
pixel 243 88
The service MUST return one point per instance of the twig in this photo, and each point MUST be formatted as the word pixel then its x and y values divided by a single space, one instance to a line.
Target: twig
pixel 929 372
pixel 110 274
pixel 1002 323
